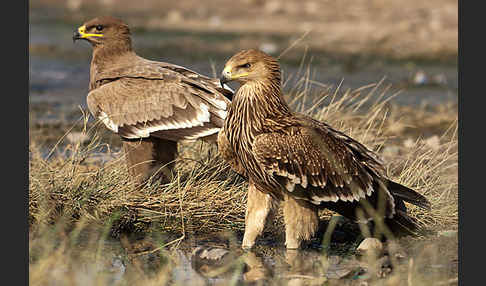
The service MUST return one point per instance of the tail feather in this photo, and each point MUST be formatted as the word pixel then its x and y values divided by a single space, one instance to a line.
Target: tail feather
pixel 408 195
pixel 402 224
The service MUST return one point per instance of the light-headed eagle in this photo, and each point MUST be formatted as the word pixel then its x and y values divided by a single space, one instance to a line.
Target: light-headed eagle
pixel 150 104
pixel 294 158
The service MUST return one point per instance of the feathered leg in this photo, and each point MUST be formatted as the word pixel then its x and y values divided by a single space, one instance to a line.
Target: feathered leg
pixel 301 221
pixel 257 210
pixel 149 157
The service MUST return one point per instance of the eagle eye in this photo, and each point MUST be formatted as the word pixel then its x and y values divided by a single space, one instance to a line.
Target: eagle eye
pixel 247 65
pixel 99 27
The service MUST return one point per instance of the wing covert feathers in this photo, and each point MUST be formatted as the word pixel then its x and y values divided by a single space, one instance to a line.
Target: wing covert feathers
pixel 320 163
pixel 146 99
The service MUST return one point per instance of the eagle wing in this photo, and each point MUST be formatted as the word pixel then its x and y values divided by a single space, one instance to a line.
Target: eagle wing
pixel 148 99
pixel 319 164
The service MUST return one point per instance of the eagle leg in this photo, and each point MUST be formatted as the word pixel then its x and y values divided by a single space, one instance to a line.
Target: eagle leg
pixel 258 207
pixel 150 158
pixel 301 221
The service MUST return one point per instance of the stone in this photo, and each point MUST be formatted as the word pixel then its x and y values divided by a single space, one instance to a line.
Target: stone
pixel 370 245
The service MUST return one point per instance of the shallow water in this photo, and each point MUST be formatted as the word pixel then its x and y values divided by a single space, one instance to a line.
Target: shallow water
pixel 212 261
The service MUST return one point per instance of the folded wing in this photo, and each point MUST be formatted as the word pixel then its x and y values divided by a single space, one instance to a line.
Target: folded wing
pixel 148 99
pixel 319 164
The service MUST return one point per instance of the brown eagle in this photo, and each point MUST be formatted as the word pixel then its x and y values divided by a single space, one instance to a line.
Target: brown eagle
pixel 150 104
pixel 296 159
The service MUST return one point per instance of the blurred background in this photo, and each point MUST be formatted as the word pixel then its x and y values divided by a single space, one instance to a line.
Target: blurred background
pixel 409 44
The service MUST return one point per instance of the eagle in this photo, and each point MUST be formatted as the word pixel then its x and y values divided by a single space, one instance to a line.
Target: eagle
pixel 301 162
pixel 151 105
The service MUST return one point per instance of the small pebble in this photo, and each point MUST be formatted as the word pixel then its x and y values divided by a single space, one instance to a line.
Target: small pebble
pixel 370 245
pixel 210 253
pixel 395 250
pixel 420 78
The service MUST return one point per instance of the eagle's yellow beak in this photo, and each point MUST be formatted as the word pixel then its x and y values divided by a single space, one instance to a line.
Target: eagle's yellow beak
pixel 227 75
pixel 81 34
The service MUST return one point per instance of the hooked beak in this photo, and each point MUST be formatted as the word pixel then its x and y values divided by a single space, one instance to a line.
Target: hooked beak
pixel 225 76
pixel 228 75
pixel 76 36
pixel 80 33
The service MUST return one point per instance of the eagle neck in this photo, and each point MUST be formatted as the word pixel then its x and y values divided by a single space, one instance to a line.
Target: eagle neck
pixel 261 100
pixel 252 105
pixel 106 57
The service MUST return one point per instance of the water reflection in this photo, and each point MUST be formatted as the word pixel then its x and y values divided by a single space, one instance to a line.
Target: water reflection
pixel 129 260
pixel 288 267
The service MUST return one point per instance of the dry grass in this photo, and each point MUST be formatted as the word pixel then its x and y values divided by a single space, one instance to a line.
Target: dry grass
pixel 207 196
pixel 72 188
